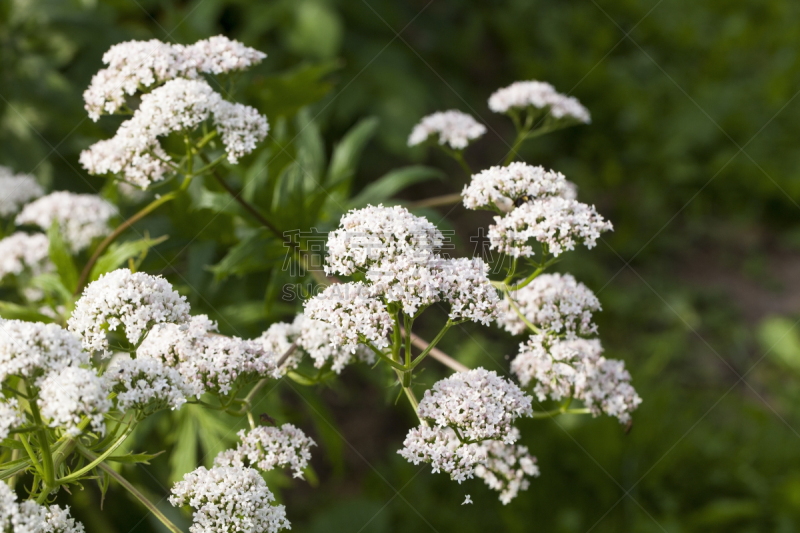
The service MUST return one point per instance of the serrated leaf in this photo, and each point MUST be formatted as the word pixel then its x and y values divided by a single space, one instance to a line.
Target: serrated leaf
pixel 61 258
pixel 118 253
pixel 391 183
pixel 347 153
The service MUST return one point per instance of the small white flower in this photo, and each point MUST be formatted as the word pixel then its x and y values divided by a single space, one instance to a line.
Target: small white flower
pixel 506 468
pixel 10 418
pixel 68 395
pixel 229 498
pixel 32 349
pixel 556 303
pixel 24 252
pixel 500 187
pixel 353 314
pixel 556 222
pixel 454 128
pixel 576 368
pixel 478 404
pixel 540 95
pixel 17 190
pixel 443 450
pixel 467 500
pixel 135 301
pixel 267 448
pixel 81 217
pixel 30 517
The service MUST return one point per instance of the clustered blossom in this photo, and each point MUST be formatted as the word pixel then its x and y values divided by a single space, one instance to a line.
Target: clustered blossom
pixel 81 217
pixel 505 467
pixel 67 396
pixel 178 105
pixel 229 498
pixel 353 313
pixel 377 234
pixel 499 187
pixel 540 95
pixel 10 418
pixel 147 384
pixel 576 369
pixel 267 448
pixel 479 405
pixel 30 517
pixel 207 360
pixel 138 65
pixel 135 301
pixel 556 303
pixel 466 287
pixel 18 190
pixel 454 128
pixel 24 252
pixel 31 349
pixel 558 223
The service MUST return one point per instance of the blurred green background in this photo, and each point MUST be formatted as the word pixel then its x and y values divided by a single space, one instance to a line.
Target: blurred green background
pixel 691 154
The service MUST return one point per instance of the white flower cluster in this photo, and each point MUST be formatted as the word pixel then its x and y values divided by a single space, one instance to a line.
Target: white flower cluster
pixel 24 252
pixel 577 369
pixel 555 303
pixel 135 301
pixel 267 448
pixel 30 517
pixel 148 384
pixel 138 65
pixel 556 222
pixel 206 360
pixel 71 394
pixel 179 105
pixel 505 468
pixel 10 417
pixel 499 187
pixel 397 252
pixel 353 313
pixel 32 349
pixel 81 217
pixel 454 128
pixel 478 404
pixel 540 95
pixel 229 498
pixel 18 190
pixel 375 235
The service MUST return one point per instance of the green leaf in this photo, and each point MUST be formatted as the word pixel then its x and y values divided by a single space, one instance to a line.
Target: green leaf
pixel 133 458
pixel 12 311
pixel 184 453
pixel 347 153
pixel 780 338
pixel 62 259
pixel 285 94
pixel 257 252
pixel 389 184
pixel 118 253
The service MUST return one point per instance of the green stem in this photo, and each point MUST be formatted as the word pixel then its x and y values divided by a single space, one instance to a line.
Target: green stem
pixel 34 460
pixel 519 313
pixel 432 344
pixel 533 276
pixel 146 210
pixel 88 468
pixel 48 472
pixel 130 488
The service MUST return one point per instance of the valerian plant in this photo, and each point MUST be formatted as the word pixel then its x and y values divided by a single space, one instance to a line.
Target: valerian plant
pixel 88 354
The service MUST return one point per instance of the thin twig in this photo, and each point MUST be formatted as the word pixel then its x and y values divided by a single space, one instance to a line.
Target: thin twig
pixel 437 354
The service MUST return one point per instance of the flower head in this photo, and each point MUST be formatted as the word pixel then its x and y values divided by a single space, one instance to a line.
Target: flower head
pixel 539 95
pixel 500 187
pixel 267 448
pixel 478 404
pixel 454 128
pixel 10 418
pixel 353 314
pixel 30 517
pixel 556 303
pixel 229 498
pixel 148 384
pixel 32 349
pixel 18 190
pixel 576 369
pixel 506 467
pixel 135 301
pixel 81 217
pixel 556 222
pixel 24 252
pixel 67 396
